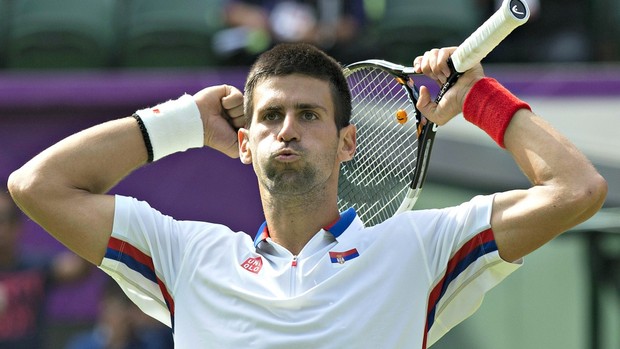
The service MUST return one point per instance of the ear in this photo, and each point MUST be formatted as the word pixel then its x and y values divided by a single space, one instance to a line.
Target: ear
pixel 348 143
pixel 243 137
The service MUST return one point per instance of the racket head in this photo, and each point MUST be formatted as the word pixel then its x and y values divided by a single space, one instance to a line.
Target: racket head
pixel 387 173
pixel 380 180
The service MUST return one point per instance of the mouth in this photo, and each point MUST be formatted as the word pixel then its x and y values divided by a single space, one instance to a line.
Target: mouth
pixel 286 155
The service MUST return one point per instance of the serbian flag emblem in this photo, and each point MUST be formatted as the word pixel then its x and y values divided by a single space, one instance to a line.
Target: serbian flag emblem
pixel 341 257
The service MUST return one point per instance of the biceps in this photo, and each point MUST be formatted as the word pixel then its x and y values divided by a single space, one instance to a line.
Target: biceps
pixel 524 220
pixel 81 221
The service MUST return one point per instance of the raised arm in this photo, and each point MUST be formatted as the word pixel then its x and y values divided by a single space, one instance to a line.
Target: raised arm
pixel 566 189
pixel 63 188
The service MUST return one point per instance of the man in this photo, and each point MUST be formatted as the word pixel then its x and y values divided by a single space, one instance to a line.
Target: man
pixel 312 277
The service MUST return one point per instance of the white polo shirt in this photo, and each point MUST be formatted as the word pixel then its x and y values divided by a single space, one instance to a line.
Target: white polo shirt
pixel 400 284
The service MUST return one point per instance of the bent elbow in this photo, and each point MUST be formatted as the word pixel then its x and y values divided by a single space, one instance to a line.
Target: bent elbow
pixel 591 195
pixel 598 191
pixel 22 186
pixel 17 186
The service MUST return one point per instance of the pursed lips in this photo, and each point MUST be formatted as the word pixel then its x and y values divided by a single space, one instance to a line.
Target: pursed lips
pixel 286 155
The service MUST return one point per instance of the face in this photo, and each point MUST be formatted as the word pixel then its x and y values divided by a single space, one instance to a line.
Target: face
pixel 293 142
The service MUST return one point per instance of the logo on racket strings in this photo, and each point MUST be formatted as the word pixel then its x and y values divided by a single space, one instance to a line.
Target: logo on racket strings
pixel 401 116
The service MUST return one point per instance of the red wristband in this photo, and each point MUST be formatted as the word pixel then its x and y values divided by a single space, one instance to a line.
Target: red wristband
pixel 490 106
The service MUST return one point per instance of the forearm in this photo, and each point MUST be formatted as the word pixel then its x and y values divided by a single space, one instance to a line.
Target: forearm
pixel 566 189
pixel 544 155
pixel 93 160
pixel 55 188
pixel 552 163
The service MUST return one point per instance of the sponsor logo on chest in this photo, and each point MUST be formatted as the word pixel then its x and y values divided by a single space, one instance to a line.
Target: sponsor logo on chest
pixel 253 264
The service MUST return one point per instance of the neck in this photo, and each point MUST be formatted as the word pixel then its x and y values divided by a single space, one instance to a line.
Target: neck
pixel 293 221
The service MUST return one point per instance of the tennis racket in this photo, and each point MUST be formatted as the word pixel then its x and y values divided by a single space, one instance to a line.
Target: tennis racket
pixel 394 141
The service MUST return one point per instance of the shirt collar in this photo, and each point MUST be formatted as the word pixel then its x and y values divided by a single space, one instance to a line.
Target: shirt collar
pixel 336 228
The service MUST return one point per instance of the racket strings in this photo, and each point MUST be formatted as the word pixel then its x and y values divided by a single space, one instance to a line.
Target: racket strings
pixel 376 180
pixel 381 85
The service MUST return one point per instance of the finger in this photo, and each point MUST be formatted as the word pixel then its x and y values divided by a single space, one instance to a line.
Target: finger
pixel 235 112
pixel 232 99
pixel 232 103
pixel 443 57
pixel 425 66
pixel 425 103
pixel 435 65
pixel 238 121
pixel 416 64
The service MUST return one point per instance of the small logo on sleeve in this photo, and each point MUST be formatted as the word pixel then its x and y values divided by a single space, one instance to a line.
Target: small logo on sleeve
pixel 253 265
pixel 341 257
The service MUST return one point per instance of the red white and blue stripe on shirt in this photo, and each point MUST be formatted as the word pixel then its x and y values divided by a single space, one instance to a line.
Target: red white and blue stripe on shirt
pixel 142 263
pixel 478 246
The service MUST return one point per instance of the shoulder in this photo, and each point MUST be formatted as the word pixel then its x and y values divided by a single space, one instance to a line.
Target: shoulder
pixel 138 222
pixel 131 211
pixel 471 216
pixel 477 209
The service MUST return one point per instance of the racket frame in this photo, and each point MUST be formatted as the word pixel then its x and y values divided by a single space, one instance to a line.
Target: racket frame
pixel 426 129
pixel 510 15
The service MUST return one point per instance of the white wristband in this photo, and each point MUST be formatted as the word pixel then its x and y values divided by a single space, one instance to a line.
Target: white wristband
pixel 173 126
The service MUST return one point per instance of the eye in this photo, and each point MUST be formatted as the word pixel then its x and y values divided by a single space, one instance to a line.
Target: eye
pixel 271 116
pixel 308 115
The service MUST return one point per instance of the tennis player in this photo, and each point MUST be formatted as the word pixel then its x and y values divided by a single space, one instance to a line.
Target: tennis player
pixel 313 276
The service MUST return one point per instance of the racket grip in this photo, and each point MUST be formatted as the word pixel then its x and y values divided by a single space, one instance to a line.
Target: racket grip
pixel 481 42
pixel 454 76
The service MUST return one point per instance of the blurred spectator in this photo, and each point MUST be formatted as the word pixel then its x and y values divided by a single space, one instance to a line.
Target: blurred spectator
pixel 25 281
pixel 557 31
pixel 121 325
pixel 253 26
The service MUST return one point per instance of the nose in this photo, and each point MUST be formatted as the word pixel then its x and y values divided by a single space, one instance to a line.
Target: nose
pixel 289 130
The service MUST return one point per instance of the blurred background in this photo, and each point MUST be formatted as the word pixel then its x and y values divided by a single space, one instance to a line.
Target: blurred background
pixel 68 64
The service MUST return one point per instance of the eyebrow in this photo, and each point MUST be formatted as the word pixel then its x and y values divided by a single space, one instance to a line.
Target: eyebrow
pixel 310 106
pixel 298 106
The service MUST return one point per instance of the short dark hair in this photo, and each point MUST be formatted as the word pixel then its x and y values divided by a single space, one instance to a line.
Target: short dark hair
pixel 300 58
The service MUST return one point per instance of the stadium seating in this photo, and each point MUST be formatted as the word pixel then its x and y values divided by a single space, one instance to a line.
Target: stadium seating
pixel 164 33
pixel 60 33
pixel 408 28
pixel 4 29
